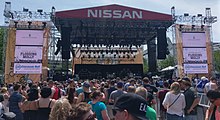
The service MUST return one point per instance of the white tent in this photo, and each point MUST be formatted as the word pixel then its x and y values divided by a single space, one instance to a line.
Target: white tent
pixel 168 68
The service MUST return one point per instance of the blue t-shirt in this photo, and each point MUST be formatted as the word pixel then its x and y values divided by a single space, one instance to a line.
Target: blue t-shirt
pixel 97 108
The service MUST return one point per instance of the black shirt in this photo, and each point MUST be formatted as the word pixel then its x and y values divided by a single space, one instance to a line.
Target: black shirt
pixel 190 96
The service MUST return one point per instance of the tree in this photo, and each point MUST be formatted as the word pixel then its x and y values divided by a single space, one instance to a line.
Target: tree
pixel 216 55
pixel 169 61
pixel 145 65
pixel 1 47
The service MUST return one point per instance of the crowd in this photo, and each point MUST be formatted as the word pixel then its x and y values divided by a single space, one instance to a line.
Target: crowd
pixel 111 99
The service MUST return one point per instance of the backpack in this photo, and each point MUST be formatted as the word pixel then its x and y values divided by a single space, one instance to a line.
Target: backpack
pixel 86 97
pixel 57 93
pixel 201 84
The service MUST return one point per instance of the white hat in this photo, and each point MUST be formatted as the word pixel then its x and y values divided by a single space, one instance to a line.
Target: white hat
pixel 203 78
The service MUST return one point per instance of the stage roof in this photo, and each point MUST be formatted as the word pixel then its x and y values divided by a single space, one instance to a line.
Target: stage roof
pixel 112 24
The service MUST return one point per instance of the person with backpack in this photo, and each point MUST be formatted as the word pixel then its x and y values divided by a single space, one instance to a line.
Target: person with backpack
pixel 161 95
pixel 56 92
pixel 200 84
pixel 85 95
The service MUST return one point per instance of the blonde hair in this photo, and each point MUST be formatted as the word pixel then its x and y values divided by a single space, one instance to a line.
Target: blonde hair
pixel 3 90
pixel 60 110
pixel 131 89
pixel 142 92
pixel 79 111
pixel 175 88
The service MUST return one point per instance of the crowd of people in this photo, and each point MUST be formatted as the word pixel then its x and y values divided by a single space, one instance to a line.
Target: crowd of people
pixel 111 99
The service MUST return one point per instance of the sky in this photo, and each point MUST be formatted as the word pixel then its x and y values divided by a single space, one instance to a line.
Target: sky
pixel 193 7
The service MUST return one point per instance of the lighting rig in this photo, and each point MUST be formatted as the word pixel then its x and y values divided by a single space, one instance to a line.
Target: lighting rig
pixel 39 19
pixel 197 22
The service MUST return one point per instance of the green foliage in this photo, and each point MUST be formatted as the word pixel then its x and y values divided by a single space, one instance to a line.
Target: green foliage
pixel 169 61
pixel 1 47
pixel 216 55
pixel 145 65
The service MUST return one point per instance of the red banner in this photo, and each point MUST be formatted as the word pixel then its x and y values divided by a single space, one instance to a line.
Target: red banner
pixel 113 12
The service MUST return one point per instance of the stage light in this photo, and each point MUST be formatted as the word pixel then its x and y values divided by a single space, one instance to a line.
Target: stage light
pixel 130 46
pixel 202 27
pixel 116 51
pixel 181 27
pixel 44 24
pixel 16 24
pixel 112 51
pixel 25 10
pixel 199 15
pixel 186 14
pixel 193 27
pixel 128 56
pixel 29 24
pixel 40 10
pixel 53 10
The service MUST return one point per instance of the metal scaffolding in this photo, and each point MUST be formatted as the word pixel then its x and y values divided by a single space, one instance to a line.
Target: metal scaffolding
pixel 29 16
pixel 198 22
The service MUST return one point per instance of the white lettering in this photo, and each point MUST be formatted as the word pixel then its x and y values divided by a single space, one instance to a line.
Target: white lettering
pixel 107 13
pixel 126 14
pixel 92 13
pixel 135 14
pixel 142 107
pixel 114 14
pixel 117 14
pixel 100 13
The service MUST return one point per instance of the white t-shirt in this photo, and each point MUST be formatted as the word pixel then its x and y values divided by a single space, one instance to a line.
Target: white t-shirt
pixel 178 107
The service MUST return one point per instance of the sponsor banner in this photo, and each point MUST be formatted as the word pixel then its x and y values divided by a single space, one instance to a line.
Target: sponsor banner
pixel 113 12
pixel 27 68
pixel 29 37
pixel 194 39
pixel 195 55
pixel 195 68
pixel 28 54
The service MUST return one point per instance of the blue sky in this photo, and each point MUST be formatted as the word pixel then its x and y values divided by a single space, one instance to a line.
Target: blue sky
pixel 192 7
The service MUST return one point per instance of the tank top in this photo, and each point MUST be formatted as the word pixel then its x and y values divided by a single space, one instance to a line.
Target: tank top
pixel 44 112
pixel 86 97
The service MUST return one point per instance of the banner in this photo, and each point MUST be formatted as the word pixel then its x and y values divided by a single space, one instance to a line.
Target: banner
pixel 29 37
pixel 28 54
pixel 192 39
pixel 195 68
pixel 27 68
pixel 194 55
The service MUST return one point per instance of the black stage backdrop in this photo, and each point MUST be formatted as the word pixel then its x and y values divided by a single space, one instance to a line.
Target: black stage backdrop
pixel 91 71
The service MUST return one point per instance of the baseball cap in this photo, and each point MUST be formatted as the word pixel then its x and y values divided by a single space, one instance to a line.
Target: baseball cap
pixel 120 84
pixel 86 84
pixel 134 104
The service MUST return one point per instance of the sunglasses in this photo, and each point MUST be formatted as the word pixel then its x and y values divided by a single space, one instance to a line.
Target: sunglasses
pixel 91 117
pixel 114 111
